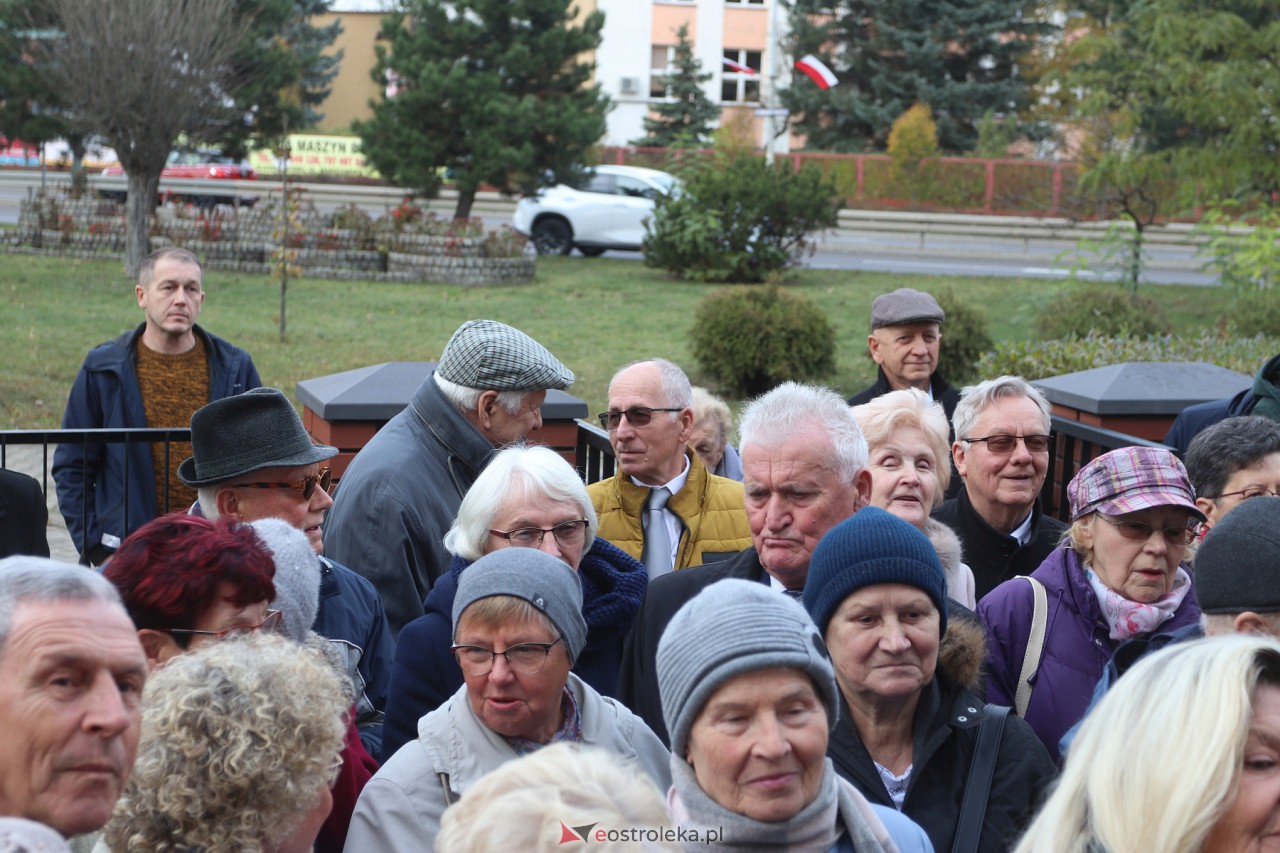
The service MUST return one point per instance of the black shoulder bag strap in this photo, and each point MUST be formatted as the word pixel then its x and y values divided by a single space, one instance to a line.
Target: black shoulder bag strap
pixel 977 788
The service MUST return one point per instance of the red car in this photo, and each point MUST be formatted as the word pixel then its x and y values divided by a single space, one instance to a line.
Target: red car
pixel 197 165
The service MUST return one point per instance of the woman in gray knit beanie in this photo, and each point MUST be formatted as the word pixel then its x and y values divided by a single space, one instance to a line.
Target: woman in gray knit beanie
pixel 749 697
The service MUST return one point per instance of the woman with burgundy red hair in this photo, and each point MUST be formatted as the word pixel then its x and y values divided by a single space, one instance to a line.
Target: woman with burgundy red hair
pixel 186 580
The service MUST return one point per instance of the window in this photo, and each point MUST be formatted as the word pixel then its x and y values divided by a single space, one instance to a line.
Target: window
pixel 738 86
pixel 662 62
pixel 744 2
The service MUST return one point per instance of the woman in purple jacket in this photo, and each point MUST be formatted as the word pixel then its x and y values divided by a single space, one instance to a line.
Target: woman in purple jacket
pixel 1117 575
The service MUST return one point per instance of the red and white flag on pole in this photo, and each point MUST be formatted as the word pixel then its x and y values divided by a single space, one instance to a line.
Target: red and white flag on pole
pixel 817 71
pixel 737 66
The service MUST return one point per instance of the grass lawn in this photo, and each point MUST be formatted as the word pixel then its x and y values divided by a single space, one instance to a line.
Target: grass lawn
pixel 594 314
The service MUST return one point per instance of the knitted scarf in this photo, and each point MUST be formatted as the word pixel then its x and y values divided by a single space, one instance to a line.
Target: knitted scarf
pixel 838 809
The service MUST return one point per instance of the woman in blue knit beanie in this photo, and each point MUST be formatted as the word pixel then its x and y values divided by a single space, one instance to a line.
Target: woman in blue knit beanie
pixel 908 729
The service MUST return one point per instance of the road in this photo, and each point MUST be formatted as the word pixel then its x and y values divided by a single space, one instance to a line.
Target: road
pixel 895 252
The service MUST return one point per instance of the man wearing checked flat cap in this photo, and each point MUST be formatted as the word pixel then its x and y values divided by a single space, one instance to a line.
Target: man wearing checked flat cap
pixel 400 494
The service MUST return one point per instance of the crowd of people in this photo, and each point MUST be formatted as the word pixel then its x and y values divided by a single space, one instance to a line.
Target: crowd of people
pixel 855 628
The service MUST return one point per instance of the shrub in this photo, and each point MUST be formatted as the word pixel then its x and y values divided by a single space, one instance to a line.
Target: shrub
pixel 747 340
pixel 1103 311
pixel 1246 259
pixel 738 219
pixel 913 145
pixel 966 338
pixel 1256 313
pixel 1038 359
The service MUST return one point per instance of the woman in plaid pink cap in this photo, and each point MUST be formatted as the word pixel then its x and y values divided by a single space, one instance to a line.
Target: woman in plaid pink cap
pixel 1118 574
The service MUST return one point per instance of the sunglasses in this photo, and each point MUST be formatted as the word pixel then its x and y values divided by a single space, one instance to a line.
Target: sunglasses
pixel 637 416
pixel 307 485
pixel 1140 531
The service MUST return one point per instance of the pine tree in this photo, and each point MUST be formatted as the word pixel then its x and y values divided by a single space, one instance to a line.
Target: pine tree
pixel 494 91
pixel 962 57
pixel 686 117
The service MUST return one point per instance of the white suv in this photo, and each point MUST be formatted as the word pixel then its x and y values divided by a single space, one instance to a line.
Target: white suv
pixel 609 213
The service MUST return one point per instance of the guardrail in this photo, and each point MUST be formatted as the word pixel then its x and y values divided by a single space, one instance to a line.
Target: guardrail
pixel 923 226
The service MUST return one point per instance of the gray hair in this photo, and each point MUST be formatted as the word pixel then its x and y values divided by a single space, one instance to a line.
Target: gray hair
pixel 147 271
pixel 791 407
pixel 465 399
pixel 708 408
pixel 517 475
pixel 974 400
pixel 676 390
pixel 39 580
pixel 1225 448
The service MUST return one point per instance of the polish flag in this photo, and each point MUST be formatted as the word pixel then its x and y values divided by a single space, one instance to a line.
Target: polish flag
pixel 737 66
pixel 817 71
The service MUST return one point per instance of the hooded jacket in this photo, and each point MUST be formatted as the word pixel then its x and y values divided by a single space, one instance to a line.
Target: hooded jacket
pixel 945 731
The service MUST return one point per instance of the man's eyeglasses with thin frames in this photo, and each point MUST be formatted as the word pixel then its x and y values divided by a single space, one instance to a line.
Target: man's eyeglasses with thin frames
pixel 637 416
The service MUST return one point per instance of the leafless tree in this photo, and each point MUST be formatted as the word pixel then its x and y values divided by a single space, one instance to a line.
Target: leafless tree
pixel 139 73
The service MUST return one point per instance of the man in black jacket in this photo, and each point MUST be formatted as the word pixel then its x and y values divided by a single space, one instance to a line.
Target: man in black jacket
pixel 804 464
pixel 1001 451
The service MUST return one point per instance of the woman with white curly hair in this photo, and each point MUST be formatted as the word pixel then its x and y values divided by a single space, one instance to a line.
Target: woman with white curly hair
pixel 240 743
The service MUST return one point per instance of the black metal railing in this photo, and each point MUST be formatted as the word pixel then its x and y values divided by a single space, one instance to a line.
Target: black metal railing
pixel 593 453
pixel 1073 445
pixel 46 439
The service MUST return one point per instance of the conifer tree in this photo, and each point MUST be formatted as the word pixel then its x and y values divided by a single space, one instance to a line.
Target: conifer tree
pixel 686 117
pixel 491 91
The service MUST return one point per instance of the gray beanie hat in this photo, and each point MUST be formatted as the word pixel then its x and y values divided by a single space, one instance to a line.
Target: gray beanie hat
pixel 297 575
pixel 872 547
pixel 1235 567
pixel 535 576
pixel 732 628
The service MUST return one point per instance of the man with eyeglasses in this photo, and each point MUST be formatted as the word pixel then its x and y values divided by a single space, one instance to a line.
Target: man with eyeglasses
pixel 400 493
pixel 663 506
pixel 153 376
pixel 1233 461
pixel 252 459
pixel 1001 451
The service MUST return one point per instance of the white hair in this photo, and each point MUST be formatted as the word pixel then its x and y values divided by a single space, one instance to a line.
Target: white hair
pixel 465 399
pixel 774 417
pixel 910 408
pixel 516 476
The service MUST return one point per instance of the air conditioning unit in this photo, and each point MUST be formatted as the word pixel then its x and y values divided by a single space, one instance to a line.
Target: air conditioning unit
pixel 629 86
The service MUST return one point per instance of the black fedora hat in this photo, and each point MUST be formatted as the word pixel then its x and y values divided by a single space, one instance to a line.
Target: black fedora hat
pixel 250 431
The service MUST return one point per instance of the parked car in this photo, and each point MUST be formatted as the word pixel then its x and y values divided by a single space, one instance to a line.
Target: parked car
pixel 608 213
pixel 200 164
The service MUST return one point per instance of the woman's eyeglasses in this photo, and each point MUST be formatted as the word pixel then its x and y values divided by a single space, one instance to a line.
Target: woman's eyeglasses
pixel 524 659
pixel 1140 531
pixel 307 485
pixel 273 623
pixel 637 416
pixel 1005 443
pixel 567 533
